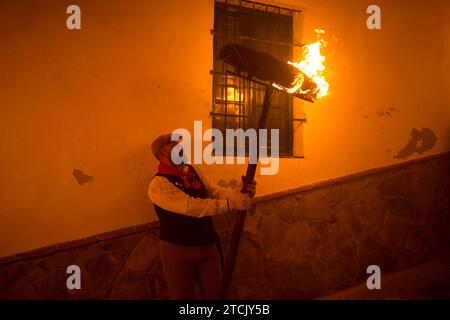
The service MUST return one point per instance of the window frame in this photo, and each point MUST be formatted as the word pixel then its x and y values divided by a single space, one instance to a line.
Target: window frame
pixel 286 117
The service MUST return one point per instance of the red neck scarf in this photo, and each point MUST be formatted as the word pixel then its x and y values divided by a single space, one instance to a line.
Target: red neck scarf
pixel 186 176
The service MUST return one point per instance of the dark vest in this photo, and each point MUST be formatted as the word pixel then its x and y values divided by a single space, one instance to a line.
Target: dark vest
pixel 184 230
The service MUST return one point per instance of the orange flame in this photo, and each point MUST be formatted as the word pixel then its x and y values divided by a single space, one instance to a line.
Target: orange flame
pixel 313 66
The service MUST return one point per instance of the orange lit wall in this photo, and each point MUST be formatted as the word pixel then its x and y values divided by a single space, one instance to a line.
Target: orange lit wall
pixel 92 100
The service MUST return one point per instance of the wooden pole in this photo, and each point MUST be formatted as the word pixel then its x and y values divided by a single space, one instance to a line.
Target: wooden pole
pixel 230 258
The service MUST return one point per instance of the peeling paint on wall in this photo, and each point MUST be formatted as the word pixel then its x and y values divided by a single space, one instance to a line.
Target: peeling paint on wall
pixel 384 113
pixel 81 177
pixel 387 112
pixel 421 141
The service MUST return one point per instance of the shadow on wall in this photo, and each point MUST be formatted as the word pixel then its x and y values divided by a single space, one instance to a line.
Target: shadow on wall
pixel 136 169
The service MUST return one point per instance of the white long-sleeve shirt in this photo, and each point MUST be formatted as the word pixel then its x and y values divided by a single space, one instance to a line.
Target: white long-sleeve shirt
pixel 167 196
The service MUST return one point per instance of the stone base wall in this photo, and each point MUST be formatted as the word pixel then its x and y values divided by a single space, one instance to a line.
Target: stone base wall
pixel 126 267
pixel 298 245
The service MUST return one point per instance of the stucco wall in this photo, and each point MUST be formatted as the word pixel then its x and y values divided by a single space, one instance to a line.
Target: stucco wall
pixel 92 100
pixel 446 32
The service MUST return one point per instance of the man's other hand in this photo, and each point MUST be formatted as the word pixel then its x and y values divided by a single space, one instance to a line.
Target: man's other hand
pixel 240 201
pixel 251 187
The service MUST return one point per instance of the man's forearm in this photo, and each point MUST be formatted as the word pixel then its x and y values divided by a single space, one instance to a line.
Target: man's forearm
pixel 165 195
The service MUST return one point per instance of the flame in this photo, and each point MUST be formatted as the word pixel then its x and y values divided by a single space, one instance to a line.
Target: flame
pixel 312 65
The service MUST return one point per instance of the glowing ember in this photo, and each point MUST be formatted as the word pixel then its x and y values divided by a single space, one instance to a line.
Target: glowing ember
pixel 312 65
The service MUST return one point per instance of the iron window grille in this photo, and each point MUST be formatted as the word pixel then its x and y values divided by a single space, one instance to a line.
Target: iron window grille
pixel 237 102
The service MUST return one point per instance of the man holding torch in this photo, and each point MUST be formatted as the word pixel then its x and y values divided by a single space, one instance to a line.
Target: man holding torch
pixel 185 202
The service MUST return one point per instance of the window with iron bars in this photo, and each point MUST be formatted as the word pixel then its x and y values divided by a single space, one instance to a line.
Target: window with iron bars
pixel 237 102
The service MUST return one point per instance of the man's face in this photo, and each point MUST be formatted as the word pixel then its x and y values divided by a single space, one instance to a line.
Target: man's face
pixel 165 154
